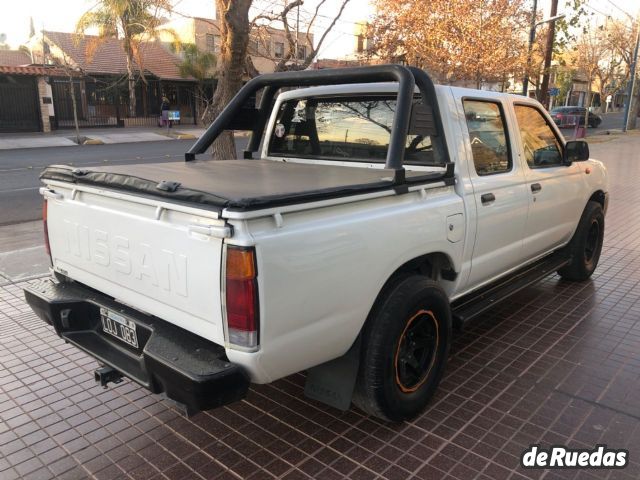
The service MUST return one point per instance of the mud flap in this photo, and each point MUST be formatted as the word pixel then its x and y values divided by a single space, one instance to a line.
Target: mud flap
pixel 333 382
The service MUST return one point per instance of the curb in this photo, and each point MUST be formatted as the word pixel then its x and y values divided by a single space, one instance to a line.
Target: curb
pixel 93 141
pixel 185 136
pixel 179 135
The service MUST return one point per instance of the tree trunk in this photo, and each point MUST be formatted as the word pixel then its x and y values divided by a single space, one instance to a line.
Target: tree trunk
pixel 548 54
pixel 234 34
pixel 74 105
pixel 132 82
pixel 633 108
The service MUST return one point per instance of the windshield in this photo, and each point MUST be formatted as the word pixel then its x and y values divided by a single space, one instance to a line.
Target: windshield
pixel 343 128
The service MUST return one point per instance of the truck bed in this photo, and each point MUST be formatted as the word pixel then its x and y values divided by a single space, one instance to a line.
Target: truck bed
pixel 236 184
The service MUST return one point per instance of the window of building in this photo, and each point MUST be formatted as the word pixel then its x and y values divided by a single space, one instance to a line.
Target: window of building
pixel 539 142
pixel 302 52
pixel 487 133
pixel 278 49
pixel 360 47
pixel 213 43
pixel 254 46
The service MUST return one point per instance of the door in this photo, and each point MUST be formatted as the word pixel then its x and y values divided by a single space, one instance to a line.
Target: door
pixel 499 192
pixel 63 103
pixel 553 189
pixel 19 109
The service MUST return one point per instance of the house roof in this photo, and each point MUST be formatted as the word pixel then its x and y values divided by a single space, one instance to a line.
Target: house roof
pixel 32 70
pixel 107 56
pixel 14 58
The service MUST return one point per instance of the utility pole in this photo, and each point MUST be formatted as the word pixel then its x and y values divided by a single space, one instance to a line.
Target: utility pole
pixel 632 81
pixel 544 95
pixel 532 38
pixel 297 33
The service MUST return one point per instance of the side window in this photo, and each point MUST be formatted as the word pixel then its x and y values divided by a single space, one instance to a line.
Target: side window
pixel 541 146
pixel 487 132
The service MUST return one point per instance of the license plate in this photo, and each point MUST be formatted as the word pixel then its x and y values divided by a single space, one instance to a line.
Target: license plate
pixel 118 326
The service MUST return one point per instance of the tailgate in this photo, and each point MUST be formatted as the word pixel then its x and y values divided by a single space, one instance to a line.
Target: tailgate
pixel 160 258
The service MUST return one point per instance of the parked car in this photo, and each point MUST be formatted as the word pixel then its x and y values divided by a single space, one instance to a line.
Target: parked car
pixel 383 210
pixel 570 116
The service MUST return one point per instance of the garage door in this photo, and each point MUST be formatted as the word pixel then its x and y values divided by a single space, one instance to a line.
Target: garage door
pixel 19 110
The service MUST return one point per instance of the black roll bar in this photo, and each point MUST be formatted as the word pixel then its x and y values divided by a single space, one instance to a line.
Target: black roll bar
pixel 305 78
pixel 407 77
pixel 428 91
pixel 263 115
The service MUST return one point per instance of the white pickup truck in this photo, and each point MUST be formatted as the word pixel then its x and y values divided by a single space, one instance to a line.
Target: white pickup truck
pixel 383 210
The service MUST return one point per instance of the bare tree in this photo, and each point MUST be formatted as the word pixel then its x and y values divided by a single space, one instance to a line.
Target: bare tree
pixel 235 60
pixel 72 71
pixel 262 26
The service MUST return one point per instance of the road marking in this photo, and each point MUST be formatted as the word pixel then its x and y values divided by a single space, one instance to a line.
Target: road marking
pixel 18 169
pixel 19 189
pixel 21 250
pixel 91 162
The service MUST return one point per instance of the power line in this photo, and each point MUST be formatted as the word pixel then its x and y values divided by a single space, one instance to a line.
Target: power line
pixel 626 27
pixel 623 11
pixel 596 10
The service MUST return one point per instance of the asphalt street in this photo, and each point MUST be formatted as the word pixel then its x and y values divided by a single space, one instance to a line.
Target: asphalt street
pixel 20 169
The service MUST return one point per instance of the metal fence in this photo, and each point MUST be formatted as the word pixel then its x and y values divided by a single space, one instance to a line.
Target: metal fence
pixel 104 102
pixel 19 110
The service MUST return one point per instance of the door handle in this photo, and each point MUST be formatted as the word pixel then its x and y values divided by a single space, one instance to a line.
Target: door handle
pixel 536 187
pixel 50 194
pixel 488 198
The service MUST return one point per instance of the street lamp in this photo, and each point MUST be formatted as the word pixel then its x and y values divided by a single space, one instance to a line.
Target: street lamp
pixel 532 38
pixel 551 19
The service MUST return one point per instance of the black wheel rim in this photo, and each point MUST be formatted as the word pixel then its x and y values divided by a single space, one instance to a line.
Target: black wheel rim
pixel 592 243
pixel 416 351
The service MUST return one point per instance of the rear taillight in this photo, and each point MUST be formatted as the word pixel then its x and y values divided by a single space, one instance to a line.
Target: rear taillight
pixel 241 297
pixel 47 246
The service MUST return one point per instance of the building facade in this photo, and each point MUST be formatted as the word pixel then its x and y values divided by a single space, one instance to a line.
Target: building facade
pixel 100 81
pixel 26 100
pixel 267 45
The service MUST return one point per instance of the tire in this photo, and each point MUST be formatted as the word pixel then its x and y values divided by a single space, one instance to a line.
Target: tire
pixel 586 245
pixel 405 344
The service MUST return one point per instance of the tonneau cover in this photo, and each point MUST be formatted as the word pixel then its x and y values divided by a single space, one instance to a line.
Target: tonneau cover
pixel 235 184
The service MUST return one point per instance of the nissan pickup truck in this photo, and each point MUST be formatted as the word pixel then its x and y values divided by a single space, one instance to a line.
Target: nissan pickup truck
pixel 382 212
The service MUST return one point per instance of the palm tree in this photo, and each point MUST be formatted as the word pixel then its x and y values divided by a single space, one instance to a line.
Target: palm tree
pixel 201 66
pixel 129 20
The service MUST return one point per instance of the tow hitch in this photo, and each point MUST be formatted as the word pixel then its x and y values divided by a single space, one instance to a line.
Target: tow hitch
pixel 107 375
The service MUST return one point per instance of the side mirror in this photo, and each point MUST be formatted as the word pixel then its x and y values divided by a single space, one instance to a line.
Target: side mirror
pixel 576 151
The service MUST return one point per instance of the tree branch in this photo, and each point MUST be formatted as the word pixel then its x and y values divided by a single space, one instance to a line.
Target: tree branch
pixel 314 51
pixel 287 30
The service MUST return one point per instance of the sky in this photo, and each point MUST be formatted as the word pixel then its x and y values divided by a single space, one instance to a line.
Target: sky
pixel 62 16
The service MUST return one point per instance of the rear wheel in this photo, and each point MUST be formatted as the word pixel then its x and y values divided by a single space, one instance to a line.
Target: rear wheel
pixel 586 245
pixel 405 345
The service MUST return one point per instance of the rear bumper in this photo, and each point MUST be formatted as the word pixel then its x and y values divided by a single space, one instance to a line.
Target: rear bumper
pixel 186 367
